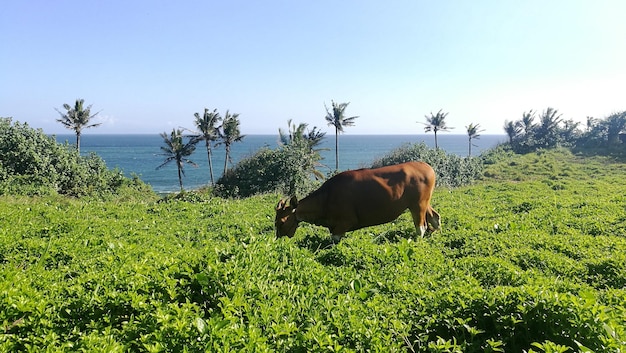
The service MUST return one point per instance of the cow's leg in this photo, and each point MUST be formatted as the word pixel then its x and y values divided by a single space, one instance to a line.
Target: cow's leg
pixel 338 231
pixel 419 220
pixel 337 237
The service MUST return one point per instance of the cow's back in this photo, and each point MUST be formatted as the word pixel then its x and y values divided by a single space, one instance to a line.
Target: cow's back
pixel 391 190
pixel 367 197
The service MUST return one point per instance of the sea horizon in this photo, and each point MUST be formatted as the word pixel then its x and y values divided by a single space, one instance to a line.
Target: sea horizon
pixel 72 137
pixel 139 153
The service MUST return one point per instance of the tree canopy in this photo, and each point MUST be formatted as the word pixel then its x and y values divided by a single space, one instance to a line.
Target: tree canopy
pixel 77 118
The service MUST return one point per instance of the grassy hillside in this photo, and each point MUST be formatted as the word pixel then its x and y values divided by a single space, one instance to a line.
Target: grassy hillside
pixel 531 258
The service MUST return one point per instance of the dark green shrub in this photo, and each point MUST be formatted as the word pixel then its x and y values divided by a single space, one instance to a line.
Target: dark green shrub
pixel 287 169
pixel 32 163
pixel 193 196
pixel 496 154
pixel 452 170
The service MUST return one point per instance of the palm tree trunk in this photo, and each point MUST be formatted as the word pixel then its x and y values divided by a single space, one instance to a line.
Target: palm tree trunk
pixel 470 147
pixel 336 149
pixel 436 146
pixel 78 141
pixel 208 152
pixel 227 148
pixel 180 177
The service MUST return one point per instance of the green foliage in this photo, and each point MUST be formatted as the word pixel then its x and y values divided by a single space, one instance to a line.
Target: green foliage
pixel 176 150
pixel 551 131
pixel 229 133
pixel 300 137
pixel 602 137
pixel 336 117
pixel 435 123
pixel 286 170
pixel 452 170
pixel 32 163
pixel 496 154
pixel 517 266
pixel 77 118
pixel 208 131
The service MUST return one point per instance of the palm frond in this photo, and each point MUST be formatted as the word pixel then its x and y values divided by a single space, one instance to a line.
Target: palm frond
pixel 335 116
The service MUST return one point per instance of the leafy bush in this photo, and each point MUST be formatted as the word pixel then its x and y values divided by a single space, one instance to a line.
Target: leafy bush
pixel 286 170
pixel 604 137
pixel 498 153
pixel 452 170
pixel 290 169
pixel 601 136
pixel 551 131
pixel 32 163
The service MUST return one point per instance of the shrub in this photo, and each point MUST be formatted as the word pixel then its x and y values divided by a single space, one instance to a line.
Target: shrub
pixel 498 153
pixel 452 170
pixel 286 170
pixel 32 163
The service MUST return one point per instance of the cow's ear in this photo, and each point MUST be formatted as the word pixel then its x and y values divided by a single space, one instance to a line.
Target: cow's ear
pixel 293 202
pixel 281 204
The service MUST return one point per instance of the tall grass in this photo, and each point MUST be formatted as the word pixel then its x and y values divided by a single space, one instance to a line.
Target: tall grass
pixel 533 264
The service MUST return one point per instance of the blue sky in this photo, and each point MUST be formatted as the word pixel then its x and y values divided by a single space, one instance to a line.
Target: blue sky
pixel 148 66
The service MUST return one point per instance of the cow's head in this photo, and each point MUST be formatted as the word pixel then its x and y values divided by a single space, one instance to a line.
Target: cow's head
pixel 286 222
pixel 433 219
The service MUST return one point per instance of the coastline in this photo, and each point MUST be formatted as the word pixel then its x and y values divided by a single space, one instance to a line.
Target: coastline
pixel 140 154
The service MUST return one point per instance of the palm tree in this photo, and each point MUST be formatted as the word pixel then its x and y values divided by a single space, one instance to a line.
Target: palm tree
pixel 527 121
pixel 177 151
pixel 436 123
pixel 228 134
pixel 336 117
pixel 547 133
pixel 591 123
pixel 512 129
pixel 77 118
pixel 296 134
pixel 615 124
pixel 297 137
pixel 473 133
pixel 314 138
pixel 208 129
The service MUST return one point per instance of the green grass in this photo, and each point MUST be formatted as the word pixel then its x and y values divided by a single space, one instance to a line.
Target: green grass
pixel 531 258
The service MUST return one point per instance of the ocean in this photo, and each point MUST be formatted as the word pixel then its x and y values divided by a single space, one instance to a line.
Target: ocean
pixel 140 154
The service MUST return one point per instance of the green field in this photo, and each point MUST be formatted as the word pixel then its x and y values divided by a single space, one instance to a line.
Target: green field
pixel 532 258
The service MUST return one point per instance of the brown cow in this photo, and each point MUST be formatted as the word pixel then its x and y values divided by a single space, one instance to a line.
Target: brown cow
pixel 361 198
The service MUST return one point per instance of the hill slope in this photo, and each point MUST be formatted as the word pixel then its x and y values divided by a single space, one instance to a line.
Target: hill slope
pixel 537 263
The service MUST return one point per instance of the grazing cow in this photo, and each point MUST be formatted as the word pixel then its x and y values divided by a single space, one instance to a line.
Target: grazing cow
pixel 361 198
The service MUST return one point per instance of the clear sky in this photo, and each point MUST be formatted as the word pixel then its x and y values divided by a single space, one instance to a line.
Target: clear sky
pixel 148 66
